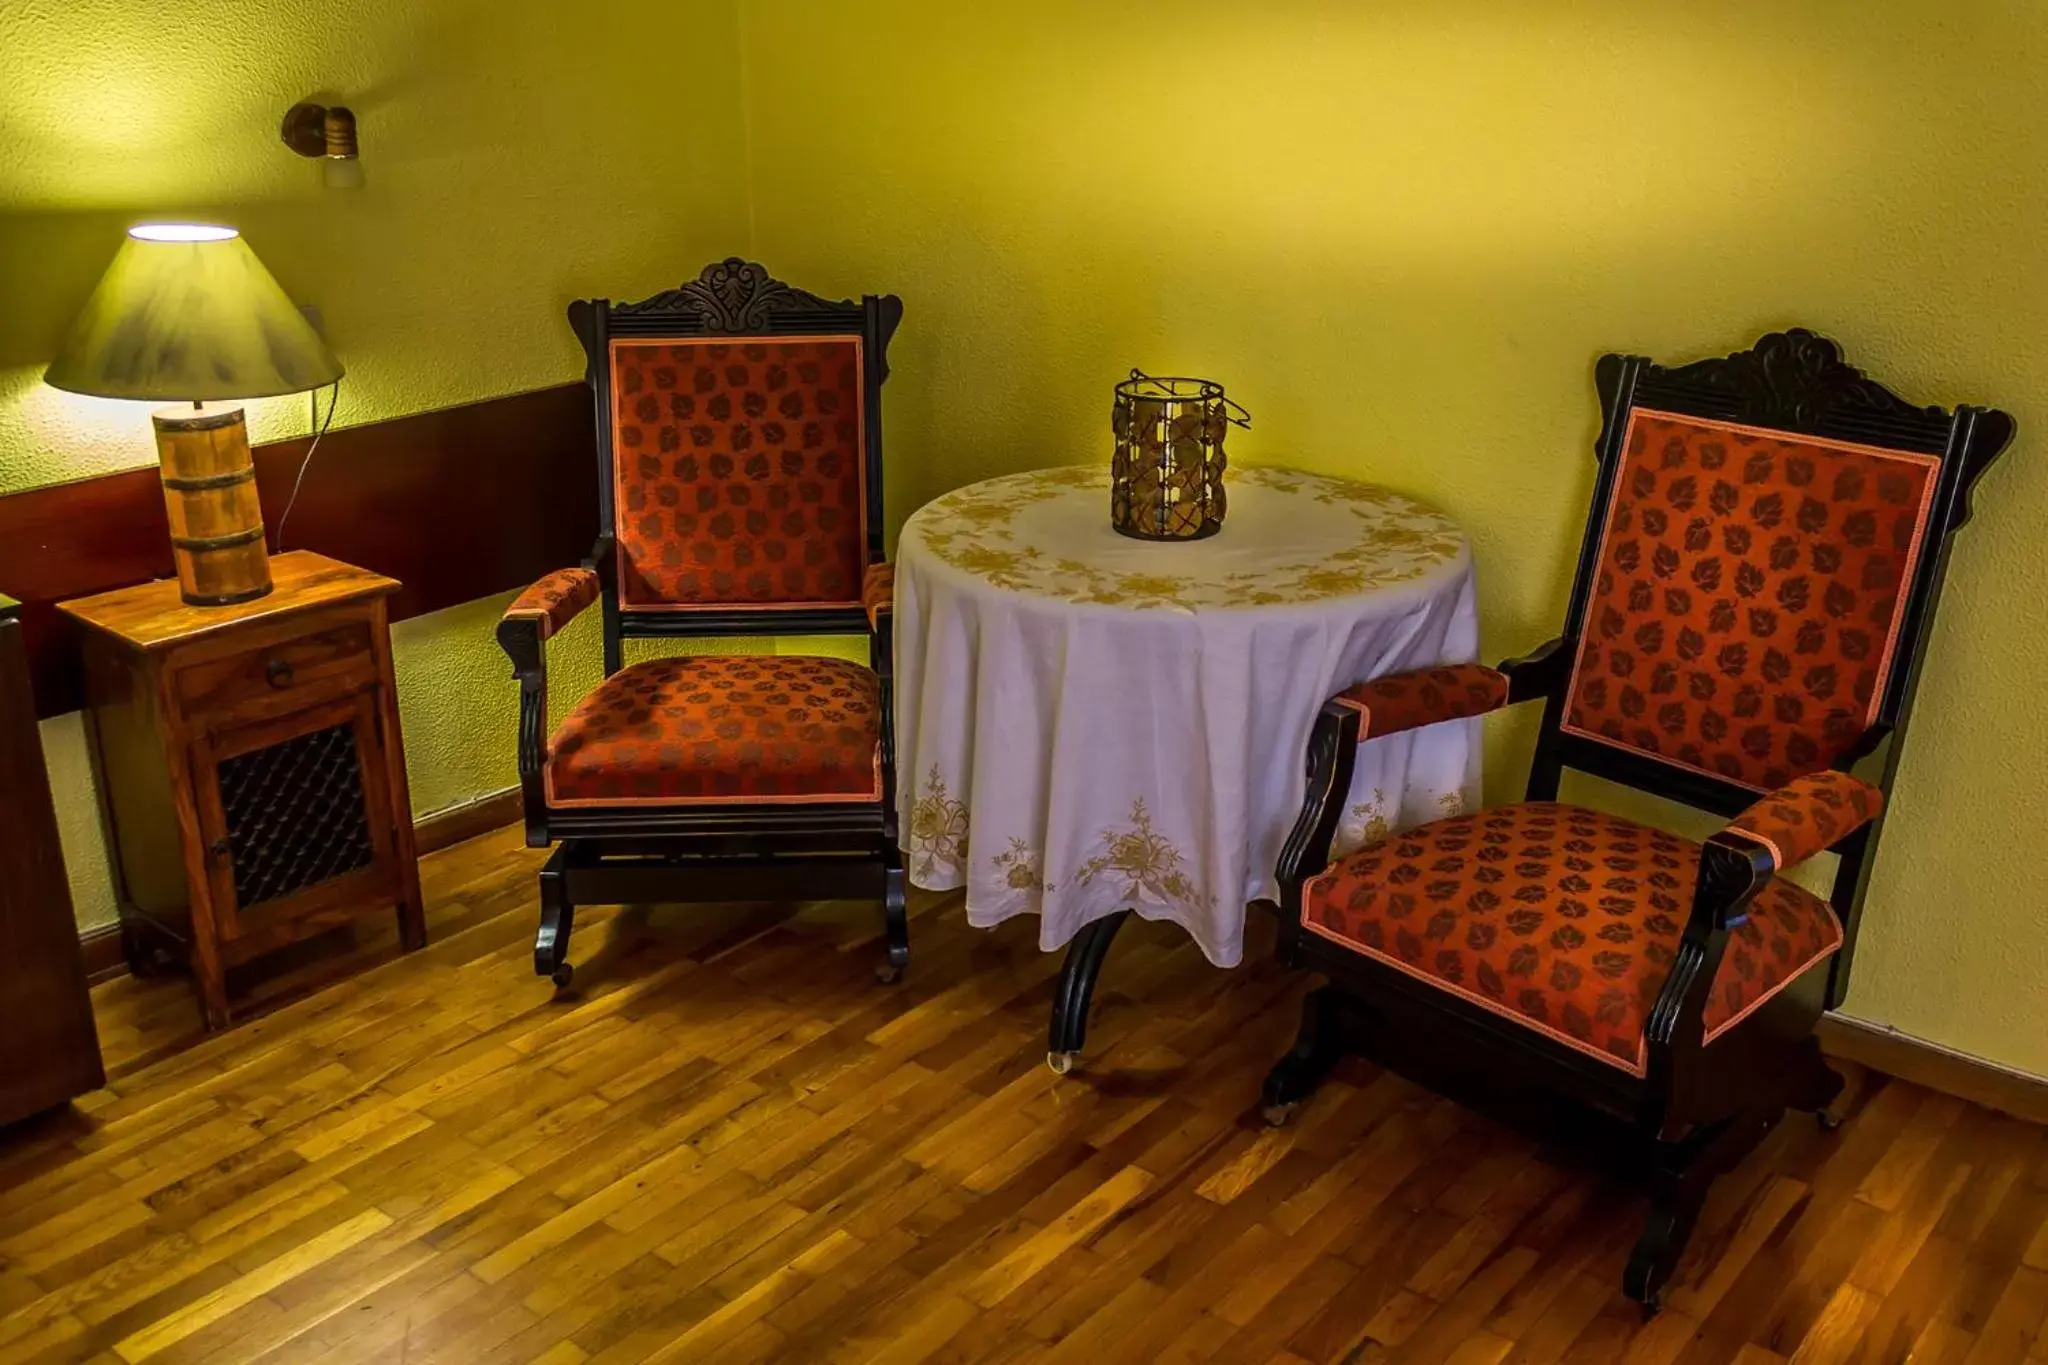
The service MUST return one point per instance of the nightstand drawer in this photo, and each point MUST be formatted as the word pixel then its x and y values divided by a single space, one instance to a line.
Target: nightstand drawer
pixel 309 666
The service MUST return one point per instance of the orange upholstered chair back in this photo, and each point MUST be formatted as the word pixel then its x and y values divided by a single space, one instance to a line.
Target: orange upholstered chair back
pixel 739 437
pixel 1766 541
pixel 1750 591
pixel 738 472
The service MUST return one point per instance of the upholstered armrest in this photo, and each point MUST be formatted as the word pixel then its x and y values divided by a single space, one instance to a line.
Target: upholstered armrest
pixel 1808 816
pixel 1423 696
pixel 554 601
pixel 878 591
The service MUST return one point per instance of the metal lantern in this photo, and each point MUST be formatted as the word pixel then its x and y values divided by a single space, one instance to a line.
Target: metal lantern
pixel 1166 482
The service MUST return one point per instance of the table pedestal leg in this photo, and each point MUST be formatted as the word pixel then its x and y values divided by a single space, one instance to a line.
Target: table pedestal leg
pixel 1076 990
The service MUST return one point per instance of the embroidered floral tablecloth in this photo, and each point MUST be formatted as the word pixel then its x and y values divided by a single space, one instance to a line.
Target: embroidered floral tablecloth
pixel 1087 723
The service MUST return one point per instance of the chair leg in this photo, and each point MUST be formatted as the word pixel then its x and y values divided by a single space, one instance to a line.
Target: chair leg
pixel 895 923
pixel 557 919
pixel 1317 1048
pixel 1680 1175
pixel 1816 1086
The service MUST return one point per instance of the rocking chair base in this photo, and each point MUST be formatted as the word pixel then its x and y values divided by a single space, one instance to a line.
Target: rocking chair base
pixel 584 872
pixel 1475 1071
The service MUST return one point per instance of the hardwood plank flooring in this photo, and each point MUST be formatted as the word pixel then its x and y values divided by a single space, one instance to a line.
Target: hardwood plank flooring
pixel 730 1144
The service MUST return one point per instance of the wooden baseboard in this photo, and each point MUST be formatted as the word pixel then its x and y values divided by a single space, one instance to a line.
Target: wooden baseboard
pixel 101 944
pixel 431 833
pixel 1913 1059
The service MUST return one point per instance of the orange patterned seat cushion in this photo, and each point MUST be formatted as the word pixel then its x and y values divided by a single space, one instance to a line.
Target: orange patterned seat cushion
pixel 1746 610
pixel 738 472
pixel 773 729
pixel 1563 919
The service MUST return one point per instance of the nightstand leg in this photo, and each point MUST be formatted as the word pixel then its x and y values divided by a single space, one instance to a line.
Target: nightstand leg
pixel 210 976
pixel 412 925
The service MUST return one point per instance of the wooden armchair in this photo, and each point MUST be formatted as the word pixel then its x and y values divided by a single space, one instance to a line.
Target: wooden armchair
pixel 1767 538
pixel 739 445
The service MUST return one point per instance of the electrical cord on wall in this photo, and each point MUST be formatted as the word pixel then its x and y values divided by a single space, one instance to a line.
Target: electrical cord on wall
pixel 319 429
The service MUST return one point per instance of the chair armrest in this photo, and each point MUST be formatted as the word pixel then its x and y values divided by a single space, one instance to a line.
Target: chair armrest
pixel 1787 826
pixel 555 600
pixel 1807 816
pixel 878 592
pixel 1423 696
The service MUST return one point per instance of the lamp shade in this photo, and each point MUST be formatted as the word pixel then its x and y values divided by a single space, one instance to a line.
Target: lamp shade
pixel 187 312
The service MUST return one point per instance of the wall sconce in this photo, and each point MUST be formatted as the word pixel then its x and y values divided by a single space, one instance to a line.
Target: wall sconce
pixel 328 132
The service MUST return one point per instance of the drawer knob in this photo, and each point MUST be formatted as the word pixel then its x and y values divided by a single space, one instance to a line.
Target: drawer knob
pixel 278 673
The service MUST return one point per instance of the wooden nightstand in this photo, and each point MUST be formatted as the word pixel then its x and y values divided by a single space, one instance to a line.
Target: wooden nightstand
pixel 250 766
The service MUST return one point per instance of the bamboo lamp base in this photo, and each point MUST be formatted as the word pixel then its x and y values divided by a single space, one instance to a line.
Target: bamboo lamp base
pixel 210 496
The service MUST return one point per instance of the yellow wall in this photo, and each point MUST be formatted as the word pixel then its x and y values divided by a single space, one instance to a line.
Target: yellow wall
pixel 517 155
pixel 1401 233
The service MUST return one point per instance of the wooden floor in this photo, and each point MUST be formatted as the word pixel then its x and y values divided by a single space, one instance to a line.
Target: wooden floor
pixel 733 1145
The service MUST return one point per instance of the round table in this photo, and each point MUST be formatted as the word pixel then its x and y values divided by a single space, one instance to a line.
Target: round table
pixel 1089 725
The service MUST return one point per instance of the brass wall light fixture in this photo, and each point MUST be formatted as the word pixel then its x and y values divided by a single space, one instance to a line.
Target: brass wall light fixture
pixel 327 132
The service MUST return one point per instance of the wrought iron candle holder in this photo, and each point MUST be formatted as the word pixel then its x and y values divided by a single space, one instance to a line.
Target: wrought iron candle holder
pixel 1166 482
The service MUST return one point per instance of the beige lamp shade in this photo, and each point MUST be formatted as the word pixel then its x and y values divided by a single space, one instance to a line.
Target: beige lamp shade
pixel 187 312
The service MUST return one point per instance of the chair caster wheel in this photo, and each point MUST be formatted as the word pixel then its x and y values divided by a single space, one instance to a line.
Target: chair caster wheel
pixel 888 973
pixel 1277 1115
pixel 562 976
pixel 1061 1062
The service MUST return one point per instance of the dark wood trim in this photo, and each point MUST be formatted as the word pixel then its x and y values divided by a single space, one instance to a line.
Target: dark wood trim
pixel 2010 1091
pixel 458 503
pixel 101 948
pixel 446 828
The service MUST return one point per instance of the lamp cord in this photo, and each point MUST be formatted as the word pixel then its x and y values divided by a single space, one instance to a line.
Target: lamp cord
pixel 319 429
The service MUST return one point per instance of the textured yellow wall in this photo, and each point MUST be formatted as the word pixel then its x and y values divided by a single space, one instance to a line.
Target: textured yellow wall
pixel 518 155
pixel 1401 233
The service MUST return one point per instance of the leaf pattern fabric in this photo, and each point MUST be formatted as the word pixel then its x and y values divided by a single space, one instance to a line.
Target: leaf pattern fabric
pixel 709 729
pixel 1561 919
pixel 738 473
pixel 1745 610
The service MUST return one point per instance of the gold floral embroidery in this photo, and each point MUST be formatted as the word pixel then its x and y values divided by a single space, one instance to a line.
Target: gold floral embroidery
pixel 1373 824
pixel 1143 860
pixel 1450 804
pixel 1399 540
pixel 938 830
pixel 1019 867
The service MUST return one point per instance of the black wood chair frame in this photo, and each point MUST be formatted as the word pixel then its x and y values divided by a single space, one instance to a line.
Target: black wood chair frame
pixel 1699 1108
pixel 701 853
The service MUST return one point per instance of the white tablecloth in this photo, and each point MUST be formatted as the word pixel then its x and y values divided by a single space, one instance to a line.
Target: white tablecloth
pixel 1087 722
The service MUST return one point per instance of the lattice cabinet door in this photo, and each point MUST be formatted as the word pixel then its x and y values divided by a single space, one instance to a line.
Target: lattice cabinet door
pixel 295 817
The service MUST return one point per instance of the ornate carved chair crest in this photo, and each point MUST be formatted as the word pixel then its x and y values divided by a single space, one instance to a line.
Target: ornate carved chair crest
pixel 739 448
pixel 1767 538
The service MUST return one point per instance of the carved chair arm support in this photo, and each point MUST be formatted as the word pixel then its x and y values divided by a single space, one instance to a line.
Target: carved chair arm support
pixel 521 638
pixel 1423 696
pixel 1332 754
pixel 1539 673
pixel 1731 874
pixel 1807 816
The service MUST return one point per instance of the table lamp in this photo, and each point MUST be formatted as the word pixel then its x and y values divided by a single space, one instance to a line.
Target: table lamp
pixel 186 312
